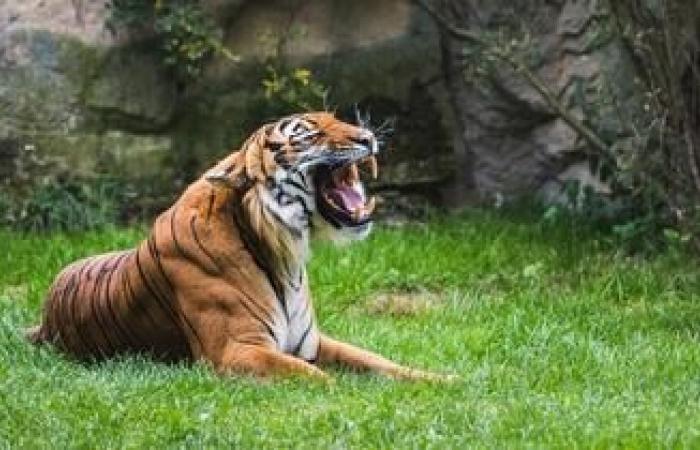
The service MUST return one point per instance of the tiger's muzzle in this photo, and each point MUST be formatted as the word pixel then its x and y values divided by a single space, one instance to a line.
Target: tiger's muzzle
pixel 340 193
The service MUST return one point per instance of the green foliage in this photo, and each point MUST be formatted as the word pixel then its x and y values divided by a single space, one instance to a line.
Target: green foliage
pixel 188 37
pixel 289 90
pixel 42 197
pixel 653 163
pixel 186 34
pixel 283 90
pixel 660 160
pixel 65 206
pixel 559 340
pixel 286 89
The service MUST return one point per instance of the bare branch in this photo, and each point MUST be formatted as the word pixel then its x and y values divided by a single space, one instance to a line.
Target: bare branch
pixel 519 66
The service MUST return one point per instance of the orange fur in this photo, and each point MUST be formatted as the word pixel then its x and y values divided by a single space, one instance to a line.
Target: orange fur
pixel 197 288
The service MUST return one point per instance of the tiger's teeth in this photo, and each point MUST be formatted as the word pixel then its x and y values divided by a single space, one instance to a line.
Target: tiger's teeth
pixel 369 207
pixel 353 174
pixel 373 167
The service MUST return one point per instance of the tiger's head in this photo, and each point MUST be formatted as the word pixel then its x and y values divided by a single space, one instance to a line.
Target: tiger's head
pixel 304 173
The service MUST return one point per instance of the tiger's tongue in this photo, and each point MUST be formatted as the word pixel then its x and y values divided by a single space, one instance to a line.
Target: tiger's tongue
pixel 346 197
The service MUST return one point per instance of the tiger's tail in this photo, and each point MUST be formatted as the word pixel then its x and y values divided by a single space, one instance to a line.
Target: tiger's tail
pixel 34 335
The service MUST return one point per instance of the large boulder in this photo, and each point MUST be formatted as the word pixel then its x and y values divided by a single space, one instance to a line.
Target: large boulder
pixel 512 142
pixel 74 95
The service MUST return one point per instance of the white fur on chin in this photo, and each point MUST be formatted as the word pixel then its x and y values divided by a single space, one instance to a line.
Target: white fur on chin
pixel 322 230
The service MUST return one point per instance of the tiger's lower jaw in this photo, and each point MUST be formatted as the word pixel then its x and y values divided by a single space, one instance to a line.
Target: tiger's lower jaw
pixel 339 236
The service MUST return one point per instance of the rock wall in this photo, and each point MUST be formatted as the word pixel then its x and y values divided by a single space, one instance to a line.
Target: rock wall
pixel 105 104
pixel 510 142
pixel 70 90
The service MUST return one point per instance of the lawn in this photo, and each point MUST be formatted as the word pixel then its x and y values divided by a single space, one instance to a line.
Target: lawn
pixel 559 341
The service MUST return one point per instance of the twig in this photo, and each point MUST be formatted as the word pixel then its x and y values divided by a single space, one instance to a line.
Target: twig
pixel 520 67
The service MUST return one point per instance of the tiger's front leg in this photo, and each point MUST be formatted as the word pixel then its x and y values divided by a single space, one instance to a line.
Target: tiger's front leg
pixel 263 361
pixel 331 351
pixel 233 340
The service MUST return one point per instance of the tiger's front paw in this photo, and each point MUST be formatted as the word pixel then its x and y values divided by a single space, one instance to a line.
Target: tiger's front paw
pixel 420 375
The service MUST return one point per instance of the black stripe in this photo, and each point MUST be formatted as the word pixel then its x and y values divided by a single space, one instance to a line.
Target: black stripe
pixel 280 194
pixel 132 305
pixel 292 230
pixel 155 254
pixel 175 241
pixel 105 310
pixel 185 254
pixel 89 349
pixel 258 318
pixel 283 124
pixel 154 295
pixel 274 146
pixel 299 128
pixel 281 159
pixel 297 349
pixel 70 309
pixel 251 244
pixel 302 200
pixel 302 175
pixel 95 311
pixel 137 302
pixel 127 338
pixel 297 185
pixel 63 319
pixel 193 229
pixel 212 196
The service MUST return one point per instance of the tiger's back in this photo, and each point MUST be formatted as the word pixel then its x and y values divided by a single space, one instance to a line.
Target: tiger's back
pixel 112 304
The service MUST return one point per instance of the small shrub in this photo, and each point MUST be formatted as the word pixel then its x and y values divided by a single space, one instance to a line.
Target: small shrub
pixel 187 36
pixel 65 206
pixel 664 40
pixel 43 197
pixel 293 89
pixel 283 90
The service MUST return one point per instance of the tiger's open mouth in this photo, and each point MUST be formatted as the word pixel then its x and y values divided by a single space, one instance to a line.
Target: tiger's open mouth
pixel 340 196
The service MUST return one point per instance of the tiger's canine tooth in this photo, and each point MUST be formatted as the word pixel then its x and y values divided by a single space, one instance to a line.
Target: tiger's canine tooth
pixel 371 163
pixel 371 204
pixel 353 174
pixel 373 167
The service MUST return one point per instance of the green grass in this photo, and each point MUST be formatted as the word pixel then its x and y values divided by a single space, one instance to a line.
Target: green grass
pixel 559 342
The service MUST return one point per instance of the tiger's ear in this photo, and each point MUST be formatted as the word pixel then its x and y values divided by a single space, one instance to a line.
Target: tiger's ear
pixel 230 175
pixel 220 178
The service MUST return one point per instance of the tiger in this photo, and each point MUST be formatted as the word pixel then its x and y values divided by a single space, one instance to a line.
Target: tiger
pixel 221 277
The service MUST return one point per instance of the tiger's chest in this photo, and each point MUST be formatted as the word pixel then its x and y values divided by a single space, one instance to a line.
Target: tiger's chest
pixel 297 334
